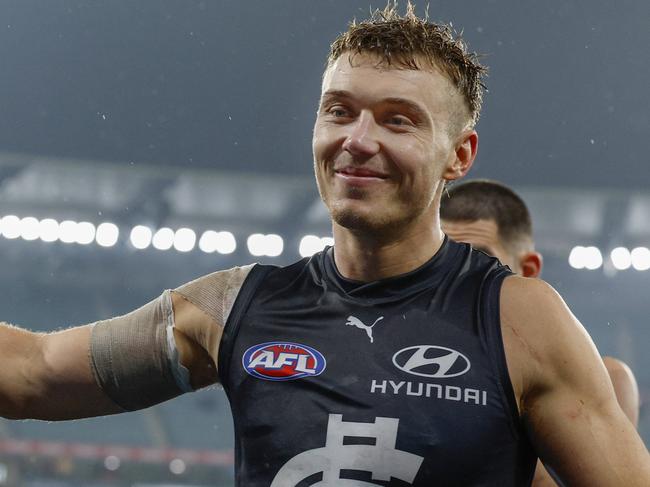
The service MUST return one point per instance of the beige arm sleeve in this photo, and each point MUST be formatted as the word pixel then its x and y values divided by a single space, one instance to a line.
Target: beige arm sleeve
pixel 208 301
pixel 135 358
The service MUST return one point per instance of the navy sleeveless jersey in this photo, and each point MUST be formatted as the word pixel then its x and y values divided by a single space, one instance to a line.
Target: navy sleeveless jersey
pixel 399 382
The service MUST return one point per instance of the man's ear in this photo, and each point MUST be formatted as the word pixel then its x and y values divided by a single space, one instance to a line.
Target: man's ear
pixel 531 264
pixel 465 152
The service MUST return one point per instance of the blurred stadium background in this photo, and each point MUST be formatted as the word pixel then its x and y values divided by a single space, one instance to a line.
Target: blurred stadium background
pixel 145 144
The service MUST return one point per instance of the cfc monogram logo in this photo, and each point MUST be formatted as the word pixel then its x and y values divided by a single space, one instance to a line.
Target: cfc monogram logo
pixel 382 460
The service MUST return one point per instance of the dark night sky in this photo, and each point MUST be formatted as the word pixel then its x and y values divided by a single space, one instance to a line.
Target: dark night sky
pixel 234 84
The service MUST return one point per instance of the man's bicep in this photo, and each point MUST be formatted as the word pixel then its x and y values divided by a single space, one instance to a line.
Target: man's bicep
pixel 569 404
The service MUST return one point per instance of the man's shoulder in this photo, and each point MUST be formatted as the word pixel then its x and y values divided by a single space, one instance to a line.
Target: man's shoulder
pixel 534 310
pixel 528 293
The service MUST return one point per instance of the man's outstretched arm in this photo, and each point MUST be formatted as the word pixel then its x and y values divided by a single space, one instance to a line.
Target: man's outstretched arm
pixel 161 350
pixel 566 397
pixel 79 372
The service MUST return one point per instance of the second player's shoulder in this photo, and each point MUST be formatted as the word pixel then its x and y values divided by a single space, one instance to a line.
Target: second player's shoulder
pixel 625 386
pixel 616 366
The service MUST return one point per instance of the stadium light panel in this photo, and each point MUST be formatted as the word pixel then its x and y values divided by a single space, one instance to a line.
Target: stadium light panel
pixel 621 258
pixel 310 244
pixel 29 228
pixel 184 239
pixel 593 258
pixel 177 466
pixel 68 231
pixel 222 242
pixel 107 234
pixel 270 245
pixel 274 245
pixel 10 226
pixel 327 241
pixel 208 241
pixel 226 243
pixel 640 258
pixel 85 233
pixel 255 244
pixel 163 239
pixel 576 257
pixel 48 230
pixel 141 237
pixel 112 463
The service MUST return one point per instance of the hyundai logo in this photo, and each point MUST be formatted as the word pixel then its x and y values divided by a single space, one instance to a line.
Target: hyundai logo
pixel 431 361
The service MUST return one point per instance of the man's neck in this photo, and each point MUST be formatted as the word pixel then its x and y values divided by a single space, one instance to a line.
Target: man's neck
pixel 367 258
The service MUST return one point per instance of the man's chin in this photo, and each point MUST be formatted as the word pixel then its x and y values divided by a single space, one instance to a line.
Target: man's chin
pixel 360 221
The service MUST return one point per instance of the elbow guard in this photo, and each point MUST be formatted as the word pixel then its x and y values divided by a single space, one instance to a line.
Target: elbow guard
pixel 134 357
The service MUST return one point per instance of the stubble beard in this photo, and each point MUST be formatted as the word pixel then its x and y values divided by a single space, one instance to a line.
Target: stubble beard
pixel 383 221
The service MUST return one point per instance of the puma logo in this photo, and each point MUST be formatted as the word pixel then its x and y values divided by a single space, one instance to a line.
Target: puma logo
pixel 354 321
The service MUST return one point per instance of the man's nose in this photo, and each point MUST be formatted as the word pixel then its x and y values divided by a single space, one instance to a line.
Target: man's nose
pixel 362 138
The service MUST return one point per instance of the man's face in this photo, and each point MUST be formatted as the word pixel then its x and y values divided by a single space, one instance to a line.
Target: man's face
pixel 381 142
pixel 482 235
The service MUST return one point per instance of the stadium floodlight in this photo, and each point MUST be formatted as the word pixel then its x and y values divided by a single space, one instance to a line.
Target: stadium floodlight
pixel 68 231
pixel 576 257
pixel 222 242
pixel 208 241
pixel 327 241
pixel 226 243
pixel 29 228
pixel 163 239
pixel 270 245
pixel 255 244
pixel 274 245
pixel 112 463
pixel 141 237
pixel 640 258
pixel 10 226
pixel 107 234
pixel 85 233
pixel 177 466
pixel 184 239
pixel 621 258
pixel 48 230
pixel 585 257
pixel 309 245
pixel 593 258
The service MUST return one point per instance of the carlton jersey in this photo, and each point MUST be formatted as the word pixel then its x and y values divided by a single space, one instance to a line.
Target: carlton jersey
pixel 399 382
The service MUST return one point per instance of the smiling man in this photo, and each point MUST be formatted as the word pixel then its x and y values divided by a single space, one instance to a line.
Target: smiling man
pixel 397 357
pixel 492 218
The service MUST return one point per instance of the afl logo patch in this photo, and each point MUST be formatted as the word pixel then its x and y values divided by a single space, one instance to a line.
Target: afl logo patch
pixel 280 361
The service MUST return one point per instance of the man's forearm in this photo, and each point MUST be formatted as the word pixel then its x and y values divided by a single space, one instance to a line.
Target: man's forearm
pixel 48 376
pixel 19 350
